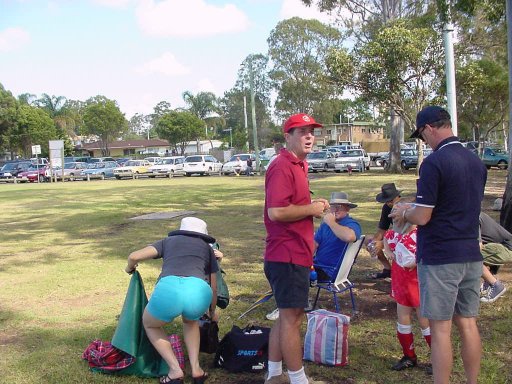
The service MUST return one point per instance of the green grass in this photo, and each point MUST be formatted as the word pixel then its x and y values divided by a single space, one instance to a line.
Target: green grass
pixel 62 280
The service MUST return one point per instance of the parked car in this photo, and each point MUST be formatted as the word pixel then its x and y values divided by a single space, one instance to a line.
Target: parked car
pixel 229 167
pixel 493 157
pixel 99 159
pixel 355 159
pixel 272 158
pixel 202 165
pixel 154 160
pixel 408 159
pixel 11 169
pixel 169 166
pixel 132 168
pixel 102 170
pixel 320 161
pixel 71 170
pixel 36 173
pixel 266 153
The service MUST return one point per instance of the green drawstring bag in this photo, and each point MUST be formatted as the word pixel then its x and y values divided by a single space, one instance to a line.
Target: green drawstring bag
pixel 131 337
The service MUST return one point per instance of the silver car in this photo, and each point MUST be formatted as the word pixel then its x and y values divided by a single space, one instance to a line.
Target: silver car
pixel 321 161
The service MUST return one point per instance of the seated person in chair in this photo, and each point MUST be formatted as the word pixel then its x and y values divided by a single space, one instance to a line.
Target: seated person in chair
pixel 331 238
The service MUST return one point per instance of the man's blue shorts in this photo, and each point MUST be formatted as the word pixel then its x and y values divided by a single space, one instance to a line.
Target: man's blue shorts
pixel 176 295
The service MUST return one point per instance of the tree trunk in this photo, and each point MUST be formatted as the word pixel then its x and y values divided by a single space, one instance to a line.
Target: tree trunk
pixel 394 144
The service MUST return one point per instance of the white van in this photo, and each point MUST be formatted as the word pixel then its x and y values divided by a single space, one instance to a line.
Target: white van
pixel 267 153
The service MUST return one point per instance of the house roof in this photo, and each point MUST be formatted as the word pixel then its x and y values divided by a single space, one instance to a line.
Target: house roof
pixel 128 144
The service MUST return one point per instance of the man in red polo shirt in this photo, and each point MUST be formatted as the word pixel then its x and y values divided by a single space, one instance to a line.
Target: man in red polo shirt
pixel 289 213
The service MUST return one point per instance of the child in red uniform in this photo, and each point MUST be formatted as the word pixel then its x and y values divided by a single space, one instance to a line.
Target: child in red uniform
pixel 400 246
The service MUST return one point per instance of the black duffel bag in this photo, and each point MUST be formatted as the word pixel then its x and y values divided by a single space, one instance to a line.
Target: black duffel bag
pixel 244 350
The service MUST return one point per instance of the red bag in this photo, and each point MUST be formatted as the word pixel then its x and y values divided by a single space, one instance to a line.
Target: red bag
pixel 104 356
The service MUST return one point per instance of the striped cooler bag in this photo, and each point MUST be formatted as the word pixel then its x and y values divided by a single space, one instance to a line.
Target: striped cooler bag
pixel 326 340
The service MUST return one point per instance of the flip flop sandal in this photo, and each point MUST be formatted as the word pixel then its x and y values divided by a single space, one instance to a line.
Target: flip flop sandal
pixel 200 379
pixel 168 380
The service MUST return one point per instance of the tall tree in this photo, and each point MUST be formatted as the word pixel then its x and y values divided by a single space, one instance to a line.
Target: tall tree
pixel 34 127
pixel 8 115
pixel 482 87
pixel 178 128
pixel 297 49
pixel 103 118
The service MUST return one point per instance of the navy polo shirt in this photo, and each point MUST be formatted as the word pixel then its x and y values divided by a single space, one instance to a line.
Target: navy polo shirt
pixel 452 182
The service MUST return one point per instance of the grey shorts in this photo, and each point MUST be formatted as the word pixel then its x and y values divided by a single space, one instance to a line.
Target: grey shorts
pixel 289 282
pixel 449 289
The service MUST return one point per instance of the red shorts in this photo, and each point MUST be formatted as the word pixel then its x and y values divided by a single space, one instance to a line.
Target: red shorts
pixel 404 286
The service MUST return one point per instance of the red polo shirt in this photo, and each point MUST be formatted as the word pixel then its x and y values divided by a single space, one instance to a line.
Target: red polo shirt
pixel 286 182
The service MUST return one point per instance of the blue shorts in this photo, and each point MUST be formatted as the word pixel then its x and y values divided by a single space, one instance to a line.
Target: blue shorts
pixel 449 289
pixel 176 295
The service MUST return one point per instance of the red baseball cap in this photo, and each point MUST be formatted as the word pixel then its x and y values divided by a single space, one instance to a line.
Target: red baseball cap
pixel 300 120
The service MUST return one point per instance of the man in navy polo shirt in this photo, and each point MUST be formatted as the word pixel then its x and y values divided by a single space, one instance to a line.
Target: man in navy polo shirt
pixel 450 191
pixel 288 217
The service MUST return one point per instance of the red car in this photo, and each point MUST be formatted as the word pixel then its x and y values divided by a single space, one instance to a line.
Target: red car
pixel 33 173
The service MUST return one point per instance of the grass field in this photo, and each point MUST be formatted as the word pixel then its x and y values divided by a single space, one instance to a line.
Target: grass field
pixel 62 279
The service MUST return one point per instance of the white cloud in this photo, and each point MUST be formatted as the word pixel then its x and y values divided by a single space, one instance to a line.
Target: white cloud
pixel 206 85
pixel 295 8
pixel 166 64
pixel 13 38
pixel 190 18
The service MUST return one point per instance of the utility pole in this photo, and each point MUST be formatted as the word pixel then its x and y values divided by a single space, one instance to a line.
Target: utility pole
pixel 450 68
pixel 253 115
pixel 245 121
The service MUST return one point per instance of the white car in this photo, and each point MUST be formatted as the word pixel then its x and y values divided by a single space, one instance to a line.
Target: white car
pixel 169 166
pixel 229 167
pixel 201 164
pixel 356 159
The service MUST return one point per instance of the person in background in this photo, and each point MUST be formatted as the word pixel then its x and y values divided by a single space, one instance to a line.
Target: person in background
pixel 496 249
pixel 400 247
pixel 288 217
pixel 389 196
pixel 248 171
pixel 187 286
pixel 450 190
pixel 237 169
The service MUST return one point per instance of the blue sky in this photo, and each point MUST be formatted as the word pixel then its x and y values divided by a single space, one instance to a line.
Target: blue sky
pixel 137 52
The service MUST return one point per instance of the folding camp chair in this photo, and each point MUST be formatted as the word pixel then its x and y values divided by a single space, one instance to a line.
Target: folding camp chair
pixel 341 278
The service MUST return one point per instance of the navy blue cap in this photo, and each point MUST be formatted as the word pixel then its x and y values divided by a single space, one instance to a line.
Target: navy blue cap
pixel 429 115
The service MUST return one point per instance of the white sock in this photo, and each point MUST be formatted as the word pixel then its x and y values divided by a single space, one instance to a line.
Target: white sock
pixel 298 377
pixel 275 368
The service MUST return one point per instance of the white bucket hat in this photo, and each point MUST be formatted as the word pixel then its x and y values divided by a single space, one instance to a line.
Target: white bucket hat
pixel 193 224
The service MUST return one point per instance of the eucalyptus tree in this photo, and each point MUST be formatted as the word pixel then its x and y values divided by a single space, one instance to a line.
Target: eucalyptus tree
pixel 401 69
pixel 297 49
pixel 103 118
pixel 178 128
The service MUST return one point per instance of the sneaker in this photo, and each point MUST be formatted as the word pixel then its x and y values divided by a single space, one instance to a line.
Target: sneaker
pixel 484 288
pixel 274 315
pixel 281 379
pixel 494 292
pixel 385 274
pixel 405 362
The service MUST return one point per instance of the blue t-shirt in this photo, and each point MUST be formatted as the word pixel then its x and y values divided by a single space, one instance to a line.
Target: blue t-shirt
pixel 452 182
pixel 330 247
